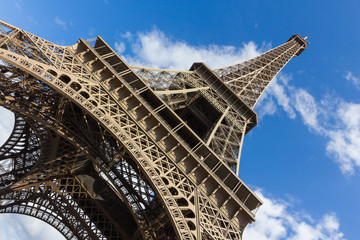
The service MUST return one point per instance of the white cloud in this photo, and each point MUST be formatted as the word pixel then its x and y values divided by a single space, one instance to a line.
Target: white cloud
pixel 128 35
pixel 305 104
pixel 18 227
pixel 6 124
pixel 120 47
pixel 344 140
pixel 18 6
pixel 267 107
pixel 333 118
pixel 60 22
pixel 276 220
pixel 154 49
pixel 279 89
pixel 355 80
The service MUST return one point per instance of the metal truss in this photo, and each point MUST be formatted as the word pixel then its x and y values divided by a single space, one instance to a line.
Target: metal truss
pixel 102 150
pixel 247 80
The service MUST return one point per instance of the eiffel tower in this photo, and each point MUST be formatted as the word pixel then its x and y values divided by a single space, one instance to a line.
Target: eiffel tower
pixel 104 150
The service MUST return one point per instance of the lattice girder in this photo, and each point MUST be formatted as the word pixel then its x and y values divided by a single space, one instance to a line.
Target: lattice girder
pixel 179 89
pixel 24 186
pixel 76 123
pixel 66 205
pixel 129 76
pixel 249 79
pixel 22 142
pixel 12 204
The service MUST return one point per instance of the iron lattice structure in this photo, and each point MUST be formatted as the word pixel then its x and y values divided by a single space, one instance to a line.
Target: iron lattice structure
pixel 104 150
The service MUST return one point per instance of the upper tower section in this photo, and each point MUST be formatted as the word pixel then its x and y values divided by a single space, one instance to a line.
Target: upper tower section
pixel 218 103
pixel 250 78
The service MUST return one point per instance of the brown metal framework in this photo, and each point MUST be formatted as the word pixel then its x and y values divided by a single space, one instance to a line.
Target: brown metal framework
pixel 104 150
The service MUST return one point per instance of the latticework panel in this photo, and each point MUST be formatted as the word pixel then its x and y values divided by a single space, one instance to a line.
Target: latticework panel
pixel 176 88
pixel 180 89
pixel 249 79
pixel 22 142
pixel 57 159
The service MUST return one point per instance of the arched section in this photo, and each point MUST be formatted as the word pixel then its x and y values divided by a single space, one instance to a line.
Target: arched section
pixel 74 134
pixel 19 153
pixel 40 207
pixel 65 205
pixel 142 199
pixel 119 133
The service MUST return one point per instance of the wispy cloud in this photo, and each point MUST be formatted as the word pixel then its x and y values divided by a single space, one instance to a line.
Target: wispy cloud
pixel 127 35
pixel 120 47
pixel 277 88
pixel 32 20
pixel 60 22
pixel 344 139
pixel 18 5
pixel 332 117
pixel 91 31
pixel 276 220
pixel 354 80
pixel 305 104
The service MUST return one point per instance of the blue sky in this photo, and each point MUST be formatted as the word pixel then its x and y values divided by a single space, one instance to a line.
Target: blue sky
pixel 303 158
